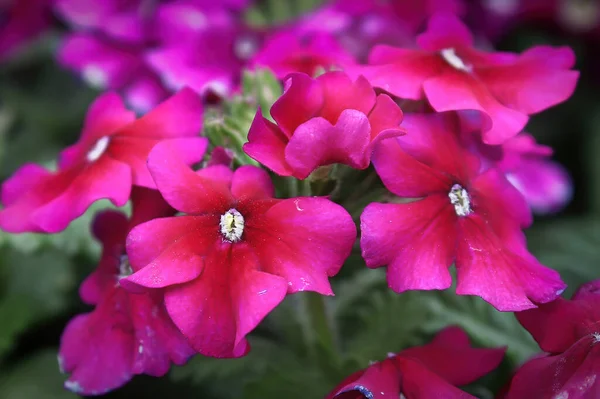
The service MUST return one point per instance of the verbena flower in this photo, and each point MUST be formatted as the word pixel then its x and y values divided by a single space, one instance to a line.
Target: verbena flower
pixel 429 371
pixel 330 119
pixel 108 159
pixel 126 333
pixel 569 331
pixel 236 252
pixel 460 214
pixel 452 75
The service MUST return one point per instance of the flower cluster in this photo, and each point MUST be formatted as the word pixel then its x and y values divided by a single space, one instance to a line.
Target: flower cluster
pixel 210 249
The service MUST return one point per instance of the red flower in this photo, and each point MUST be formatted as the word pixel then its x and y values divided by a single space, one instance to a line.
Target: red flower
pixel 322 121
pixel 452 75
pixel 107 160
pixel 430 371
pixel 570 332
pixel 462 216
pixel 126 334
pixel 236 252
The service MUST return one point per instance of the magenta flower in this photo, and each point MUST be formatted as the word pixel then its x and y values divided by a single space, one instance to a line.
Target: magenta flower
pixel 20 22
pixel 545 184
pixel 452 75
pixel 569 330
pixel 288 51
pixel 108 159
pixel 429 371
pixel 462 216
pixel 330 119
pixel 126 334
pixel 236 252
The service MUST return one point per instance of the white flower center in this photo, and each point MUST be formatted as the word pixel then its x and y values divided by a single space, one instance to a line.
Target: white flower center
pixel 245 47
pixel 596 337
pixel 98 149
pixel 195 20
pixel 125 269
pixel 232 225
pixel 502 7
pixel 449 55
pixel 460 199
pixel 95 76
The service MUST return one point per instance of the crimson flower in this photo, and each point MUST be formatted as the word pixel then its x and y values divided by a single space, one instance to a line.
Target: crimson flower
pixel 569 330
pixel 429 371
pixel 330 119
pixel 108 159
pixel 126 334
pixel 236 252
pixel 462 215
pixel 452 75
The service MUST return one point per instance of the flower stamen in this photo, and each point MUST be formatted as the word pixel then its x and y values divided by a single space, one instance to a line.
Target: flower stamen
pixel 232 225
pixel 459 197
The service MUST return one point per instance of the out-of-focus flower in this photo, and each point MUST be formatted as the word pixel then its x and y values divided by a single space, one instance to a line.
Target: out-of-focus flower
pixel 465 216
pixel 360 24
pixel 237 251
pixel 108 159
pixel 429 371
pixel 505 87
pixel 287 51
pixel 20 22
pixel 126 334
pixel 569 330
pixel 330 119
pixel 545 184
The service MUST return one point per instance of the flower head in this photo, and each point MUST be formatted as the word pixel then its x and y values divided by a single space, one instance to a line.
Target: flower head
pixel 429 371
pixel 236 252
pixel 463 215
pixel 108 159
pixel 569 330
pixel 330 119
pixel 126 334
pixel 452 75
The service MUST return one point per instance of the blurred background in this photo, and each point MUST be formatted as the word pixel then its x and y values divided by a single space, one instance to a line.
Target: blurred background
pixel 46 85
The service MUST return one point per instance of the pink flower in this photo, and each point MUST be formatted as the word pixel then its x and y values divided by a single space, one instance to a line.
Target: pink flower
pixel 288 51
pixel 330 119
pixel 546 185
pixel 236 252
pixel 107 160
pixel 462 216
pixel 429 371
pixel 126 334
pixel 452 75
pixel 199 63
pixel 20 22
pixel 569 331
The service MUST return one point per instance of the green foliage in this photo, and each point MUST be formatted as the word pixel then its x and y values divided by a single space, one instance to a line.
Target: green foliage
pixel 34 287
pixel 35 377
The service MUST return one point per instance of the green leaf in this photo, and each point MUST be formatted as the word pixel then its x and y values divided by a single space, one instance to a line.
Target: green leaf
pixel 36 377
pixel 228 377
pixel 34 287
pixel 570 246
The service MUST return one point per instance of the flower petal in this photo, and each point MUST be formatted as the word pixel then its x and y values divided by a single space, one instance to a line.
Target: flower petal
pixel 203 308
pixel 266 144
pixel 451 357
pixel 304 240
pixel 251 182
pixel 317 143
pixel 105 178
pixel 178 116
pixel 445 30
pixel 341 93
pixel 183 189
pixel 417 241
pixel 168 251
pixel 404 175
pixel 455 90
pixel 507 277
pixel 381 380
pixel 420 382
pixel 301 100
